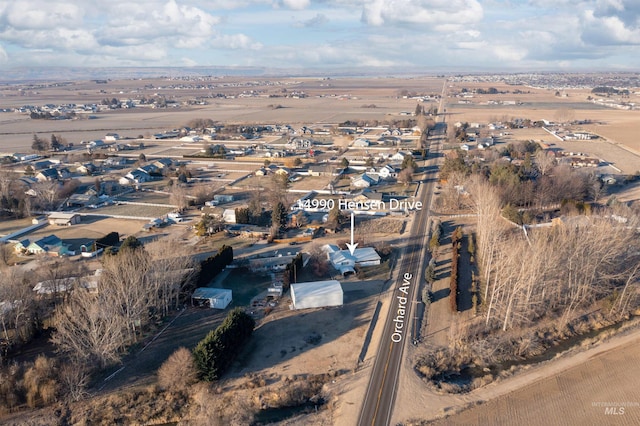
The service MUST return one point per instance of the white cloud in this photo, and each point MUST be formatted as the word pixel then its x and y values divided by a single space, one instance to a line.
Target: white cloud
pixel 443 14
pixel 235 41
pixel 296 4
pixel 40 15
pixel 318 20
pixel 319 33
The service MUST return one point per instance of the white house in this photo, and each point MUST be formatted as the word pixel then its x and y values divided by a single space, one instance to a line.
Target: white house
pixel 388 172
pixel 365 180
pixel 345 262
pixel 399 156
pixel 216 298
pixel 316 294
pixel 361 142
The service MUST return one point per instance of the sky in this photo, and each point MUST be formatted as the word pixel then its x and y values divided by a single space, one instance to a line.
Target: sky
pixel 427 35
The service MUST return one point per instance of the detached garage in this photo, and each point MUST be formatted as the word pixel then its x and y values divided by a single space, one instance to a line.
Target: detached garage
pixel 316 294
pixel 216 298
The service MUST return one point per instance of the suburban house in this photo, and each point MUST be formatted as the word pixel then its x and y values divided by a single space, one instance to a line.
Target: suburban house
pixel 64 173
pixel 388 172
pixel 64 219
pixel 361 142
pixel 162 164
pixel 365 180
pixel 367 195
pixel 87 169
pixel 98 143
pixel 262 171
pixel 270 264
pixel 24 157
pixel 135 176
pixel 345 262
pixel 299 143
pixel 324 169
pixel 21 246
pixel 51 245
pixel 399 156
pixel 285 171
pixel 47 175
pixel 116 162
pixel 82 200
pixel 44 164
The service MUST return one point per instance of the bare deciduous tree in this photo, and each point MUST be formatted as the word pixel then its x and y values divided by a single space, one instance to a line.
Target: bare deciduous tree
pixel 168 273
pixel 18 306
pixel 89 329
pixel 545 160
pixel 178 197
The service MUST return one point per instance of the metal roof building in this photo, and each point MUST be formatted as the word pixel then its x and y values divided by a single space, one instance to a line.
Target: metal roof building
pixel 317 294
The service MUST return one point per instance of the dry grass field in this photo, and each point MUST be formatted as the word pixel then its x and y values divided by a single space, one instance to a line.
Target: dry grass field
pixel 581 395
pixel 327 101
pixel 619 128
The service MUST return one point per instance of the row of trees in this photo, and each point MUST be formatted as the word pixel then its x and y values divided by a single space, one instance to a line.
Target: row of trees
pixel 216 352
pixel 456 240
pixel 291 271
pixel 565 268
pixel 41 145
pixel 213 265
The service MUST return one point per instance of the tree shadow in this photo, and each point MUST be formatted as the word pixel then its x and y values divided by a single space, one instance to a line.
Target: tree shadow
pixel 440 294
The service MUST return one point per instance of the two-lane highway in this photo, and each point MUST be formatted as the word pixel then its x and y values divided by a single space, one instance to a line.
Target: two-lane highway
pixel 381 391
pixel 379 401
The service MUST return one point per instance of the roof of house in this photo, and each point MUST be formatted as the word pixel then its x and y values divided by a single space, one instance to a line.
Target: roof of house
pixel 49 173
pixel 360 255
pixel 62 215
pixel 210 293
pixel 49 240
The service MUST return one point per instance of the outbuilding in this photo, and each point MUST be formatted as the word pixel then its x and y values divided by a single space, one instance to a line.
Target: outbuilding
pixel 217 298
pixel 316 294
pixel 64 219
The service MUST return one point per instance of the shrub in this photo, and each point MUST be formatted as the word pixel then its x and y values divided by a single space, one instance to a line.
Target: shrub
pixel 178 372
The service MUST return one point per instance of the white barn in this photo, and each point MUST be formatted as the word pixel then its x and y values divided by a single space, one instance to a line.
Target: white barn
pixel 317 294
pixel 218 298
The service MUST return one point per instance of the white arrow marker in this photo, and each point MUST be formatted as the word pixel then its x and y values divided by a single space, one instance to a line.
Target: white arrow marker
pixel 352 246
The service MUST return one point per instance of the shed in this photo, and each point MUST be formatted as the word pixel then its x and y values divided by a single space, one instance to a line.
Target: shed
pixel 64 219
pixel 217 298
pixel 316 294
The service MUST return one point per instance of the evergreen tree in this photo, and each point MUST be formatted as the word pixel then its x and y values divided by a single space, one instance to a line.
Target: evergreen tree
pixel 279 216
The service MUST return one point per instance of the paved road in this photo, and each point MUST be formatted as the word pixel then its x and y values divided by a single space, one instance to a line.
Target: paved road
pixel 377 407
